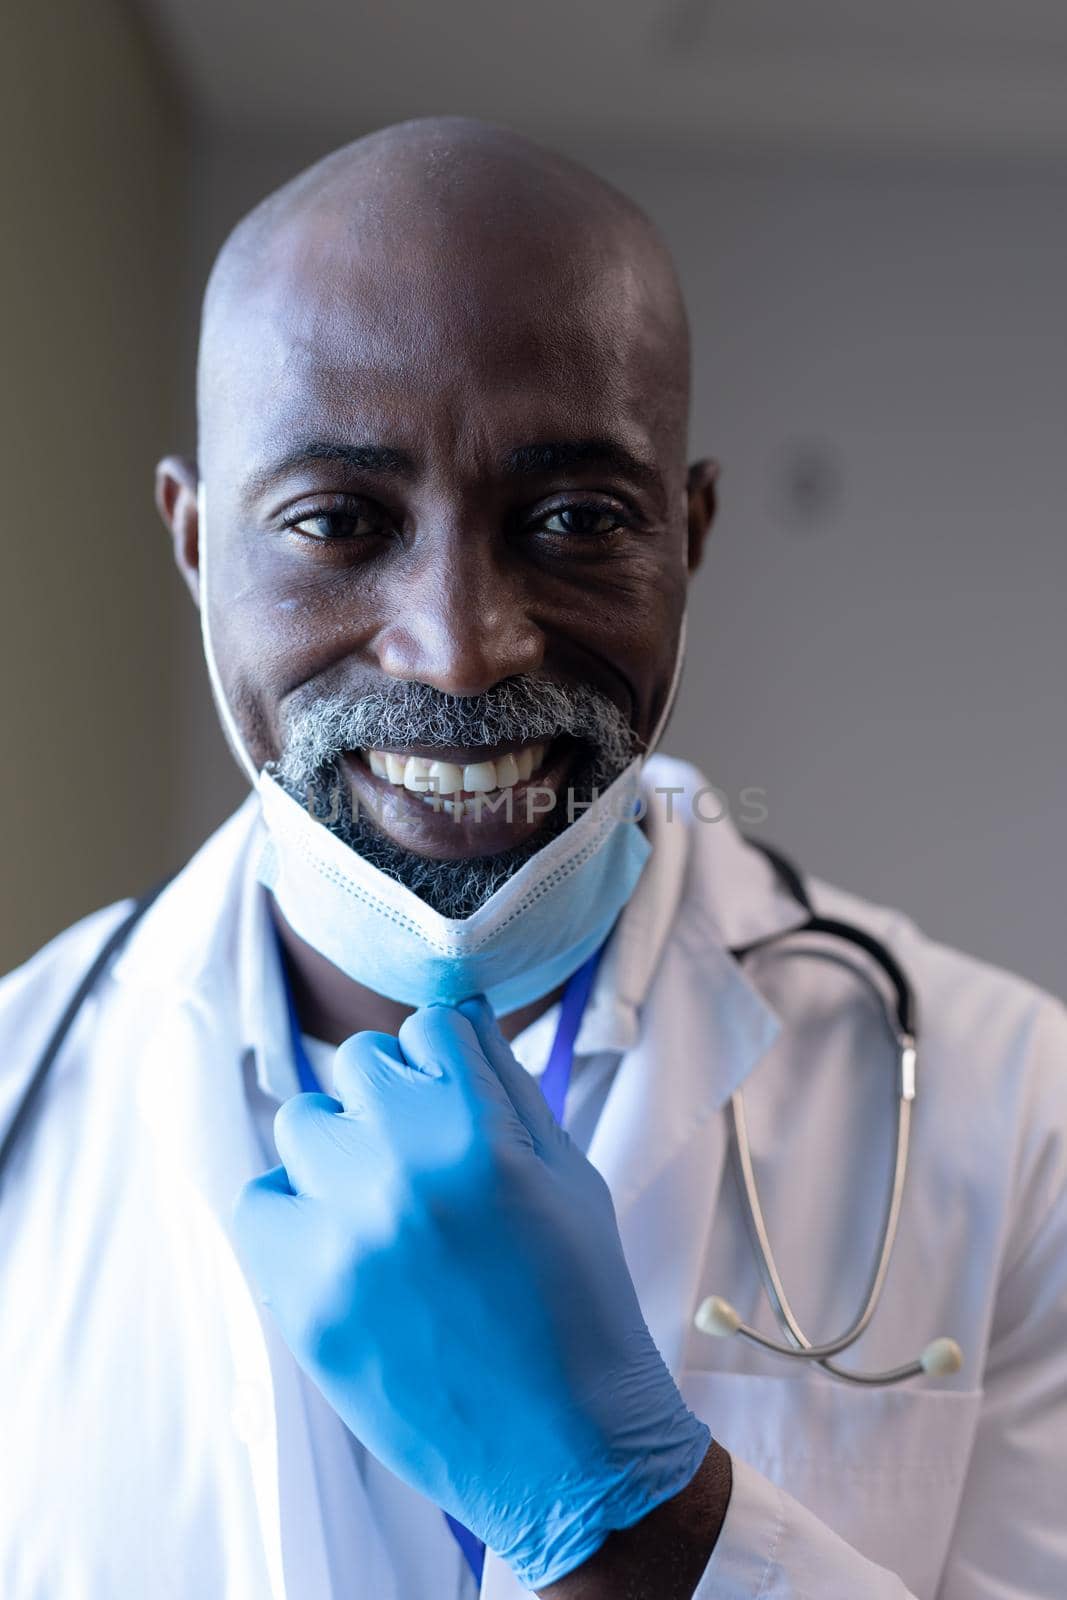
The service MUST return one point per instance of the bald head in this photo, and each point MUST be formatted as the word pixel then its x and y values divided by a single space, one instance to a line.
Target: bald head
pixel 453 222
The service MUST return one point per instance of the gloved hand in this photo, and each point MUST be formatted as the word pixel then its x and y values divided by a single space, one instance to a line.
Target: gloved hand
pixel 445 1264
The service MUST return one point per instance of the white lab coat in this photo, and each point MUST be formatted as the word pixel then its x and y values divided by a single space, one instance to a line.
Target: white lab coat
pixel 150 1441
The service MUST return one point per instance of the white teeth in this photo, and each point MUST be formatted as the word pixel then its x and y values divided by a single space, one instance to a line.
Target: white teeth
pixel 507 772
pixel 480 777
pixel 417 774
pixel 435 778
pixel 449 777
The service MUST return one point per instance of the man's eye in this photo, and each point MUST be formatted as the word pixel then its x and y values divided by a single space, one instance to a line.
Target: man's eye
pixel 351 523
pixel 583 521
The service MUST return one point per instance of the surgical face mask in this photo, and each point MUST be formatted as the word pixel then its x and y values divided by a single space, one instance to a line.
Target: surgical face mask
pixel 529 936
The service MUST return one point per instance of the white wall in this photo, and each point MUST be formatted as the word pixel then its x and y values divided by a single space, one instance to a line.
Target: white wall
pixel 890 668
pixel 893 673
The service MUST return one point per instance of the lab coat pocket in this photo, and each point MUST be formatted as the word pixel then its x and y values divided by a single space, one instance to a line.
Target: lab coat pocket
pixel 884 1468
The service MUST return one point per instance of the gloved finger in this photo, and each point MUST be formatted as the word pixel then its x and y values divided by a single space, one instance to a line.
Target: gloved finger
pixel 318 1142
pixel 371 1065
pixel 522 1089
pixel 272 1183
pixel 442 1034
pixel 264 1210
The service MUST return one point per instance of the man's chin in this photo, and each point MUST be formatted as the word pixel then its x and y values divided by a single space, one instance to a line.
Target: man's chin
pixel 454 886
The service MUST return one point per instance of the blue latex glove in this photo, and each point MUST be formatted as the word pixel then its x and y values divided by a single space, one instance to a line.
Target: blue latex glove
pixel 445 1264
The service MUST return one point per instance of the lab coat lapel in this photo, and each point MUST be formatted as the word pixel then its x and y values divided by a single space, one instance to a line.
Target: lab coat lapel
pixel 698 1028
pixel 181 973
pixel 660 1139
pixel 191 1098
pixel 187 1099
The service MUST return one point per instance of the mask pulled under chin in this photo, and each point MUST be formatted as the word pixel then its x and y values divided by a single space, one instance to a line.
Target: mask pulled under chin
pixel 529 936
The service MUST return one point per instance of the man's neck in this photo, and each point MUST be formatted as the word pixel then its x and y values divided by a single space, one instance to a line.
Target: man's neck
pixel 332 1006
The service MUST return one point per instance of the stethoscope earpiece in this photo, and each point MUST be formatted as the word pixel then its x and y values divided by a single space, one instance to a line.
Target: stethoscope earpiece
pixel 717 1317
pixel 941 1358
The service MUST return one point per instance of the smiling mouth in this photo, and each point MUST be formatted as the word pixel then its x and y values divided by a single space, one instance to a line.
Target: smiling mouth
pixel 464 782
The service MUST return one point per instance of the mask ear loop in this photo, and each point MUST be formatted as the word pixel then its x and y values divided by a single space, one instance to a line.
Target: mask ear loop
pixel 672 692
pixel 679 660
pixel 233 736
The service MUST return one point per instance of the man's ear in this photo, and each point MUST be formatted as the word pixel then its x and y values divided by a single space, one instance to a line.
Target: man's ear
pixel 176 484
pixel 702 502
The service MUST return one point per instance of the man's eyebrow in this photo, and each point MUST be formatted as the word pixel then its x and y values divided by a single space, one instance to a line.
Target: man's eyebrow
pixel 357 457
pixel 528 460
pixel 531 460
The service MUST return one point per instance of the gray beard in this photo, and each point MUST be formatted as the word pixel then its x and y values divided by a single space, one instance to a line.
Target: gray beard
pixel 455 888
pixel 517 710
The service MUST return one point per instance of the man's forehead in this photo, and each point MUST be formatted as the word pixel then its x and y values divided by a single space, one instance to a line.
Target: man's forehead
pixel 327 302
pixel 336 363
pixel 542 313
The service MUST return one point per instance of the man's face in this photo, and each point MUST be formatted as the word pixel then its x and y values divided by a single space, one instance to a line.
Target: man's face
pixel 465 480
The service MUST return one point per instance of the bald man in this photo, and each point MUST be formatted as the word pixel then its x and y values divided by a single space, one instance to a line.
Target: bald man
pixel 368 1203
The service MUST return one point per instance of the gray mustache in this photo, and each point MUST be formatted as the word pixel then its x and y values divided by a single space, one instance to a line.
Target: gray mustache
pixel 405 714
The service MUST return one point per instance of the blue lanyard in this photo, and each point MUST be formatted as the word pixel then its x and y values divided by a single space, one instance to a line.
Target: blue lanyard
pixel 554 1082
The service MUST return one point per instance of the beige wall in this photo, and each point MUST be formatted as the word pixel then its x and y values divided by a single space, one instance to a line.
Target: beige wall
pixel 93 198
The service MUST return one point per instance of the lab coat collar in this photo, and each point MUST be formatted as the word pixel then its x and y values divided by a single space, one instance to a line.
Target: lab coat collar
pixel 264 1011
pixel 611 1021
pixel 190 934
pixel 694 864
pixel 186 971
pixel 661 1098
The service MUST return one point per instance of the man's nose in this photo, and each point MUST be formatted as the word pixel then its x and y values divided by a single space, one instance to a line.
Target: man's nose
pixel 459 622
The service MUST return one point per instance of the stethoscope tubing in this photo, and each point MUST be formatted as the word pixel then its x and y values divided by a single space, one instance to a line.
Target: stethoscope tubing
pixel 902 1024
pixel 803 1349
pixel 32 1092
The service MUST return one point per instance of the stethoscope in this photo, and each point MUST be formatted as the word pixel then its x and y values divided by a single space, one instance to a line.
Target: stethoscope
pixel 715 1315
